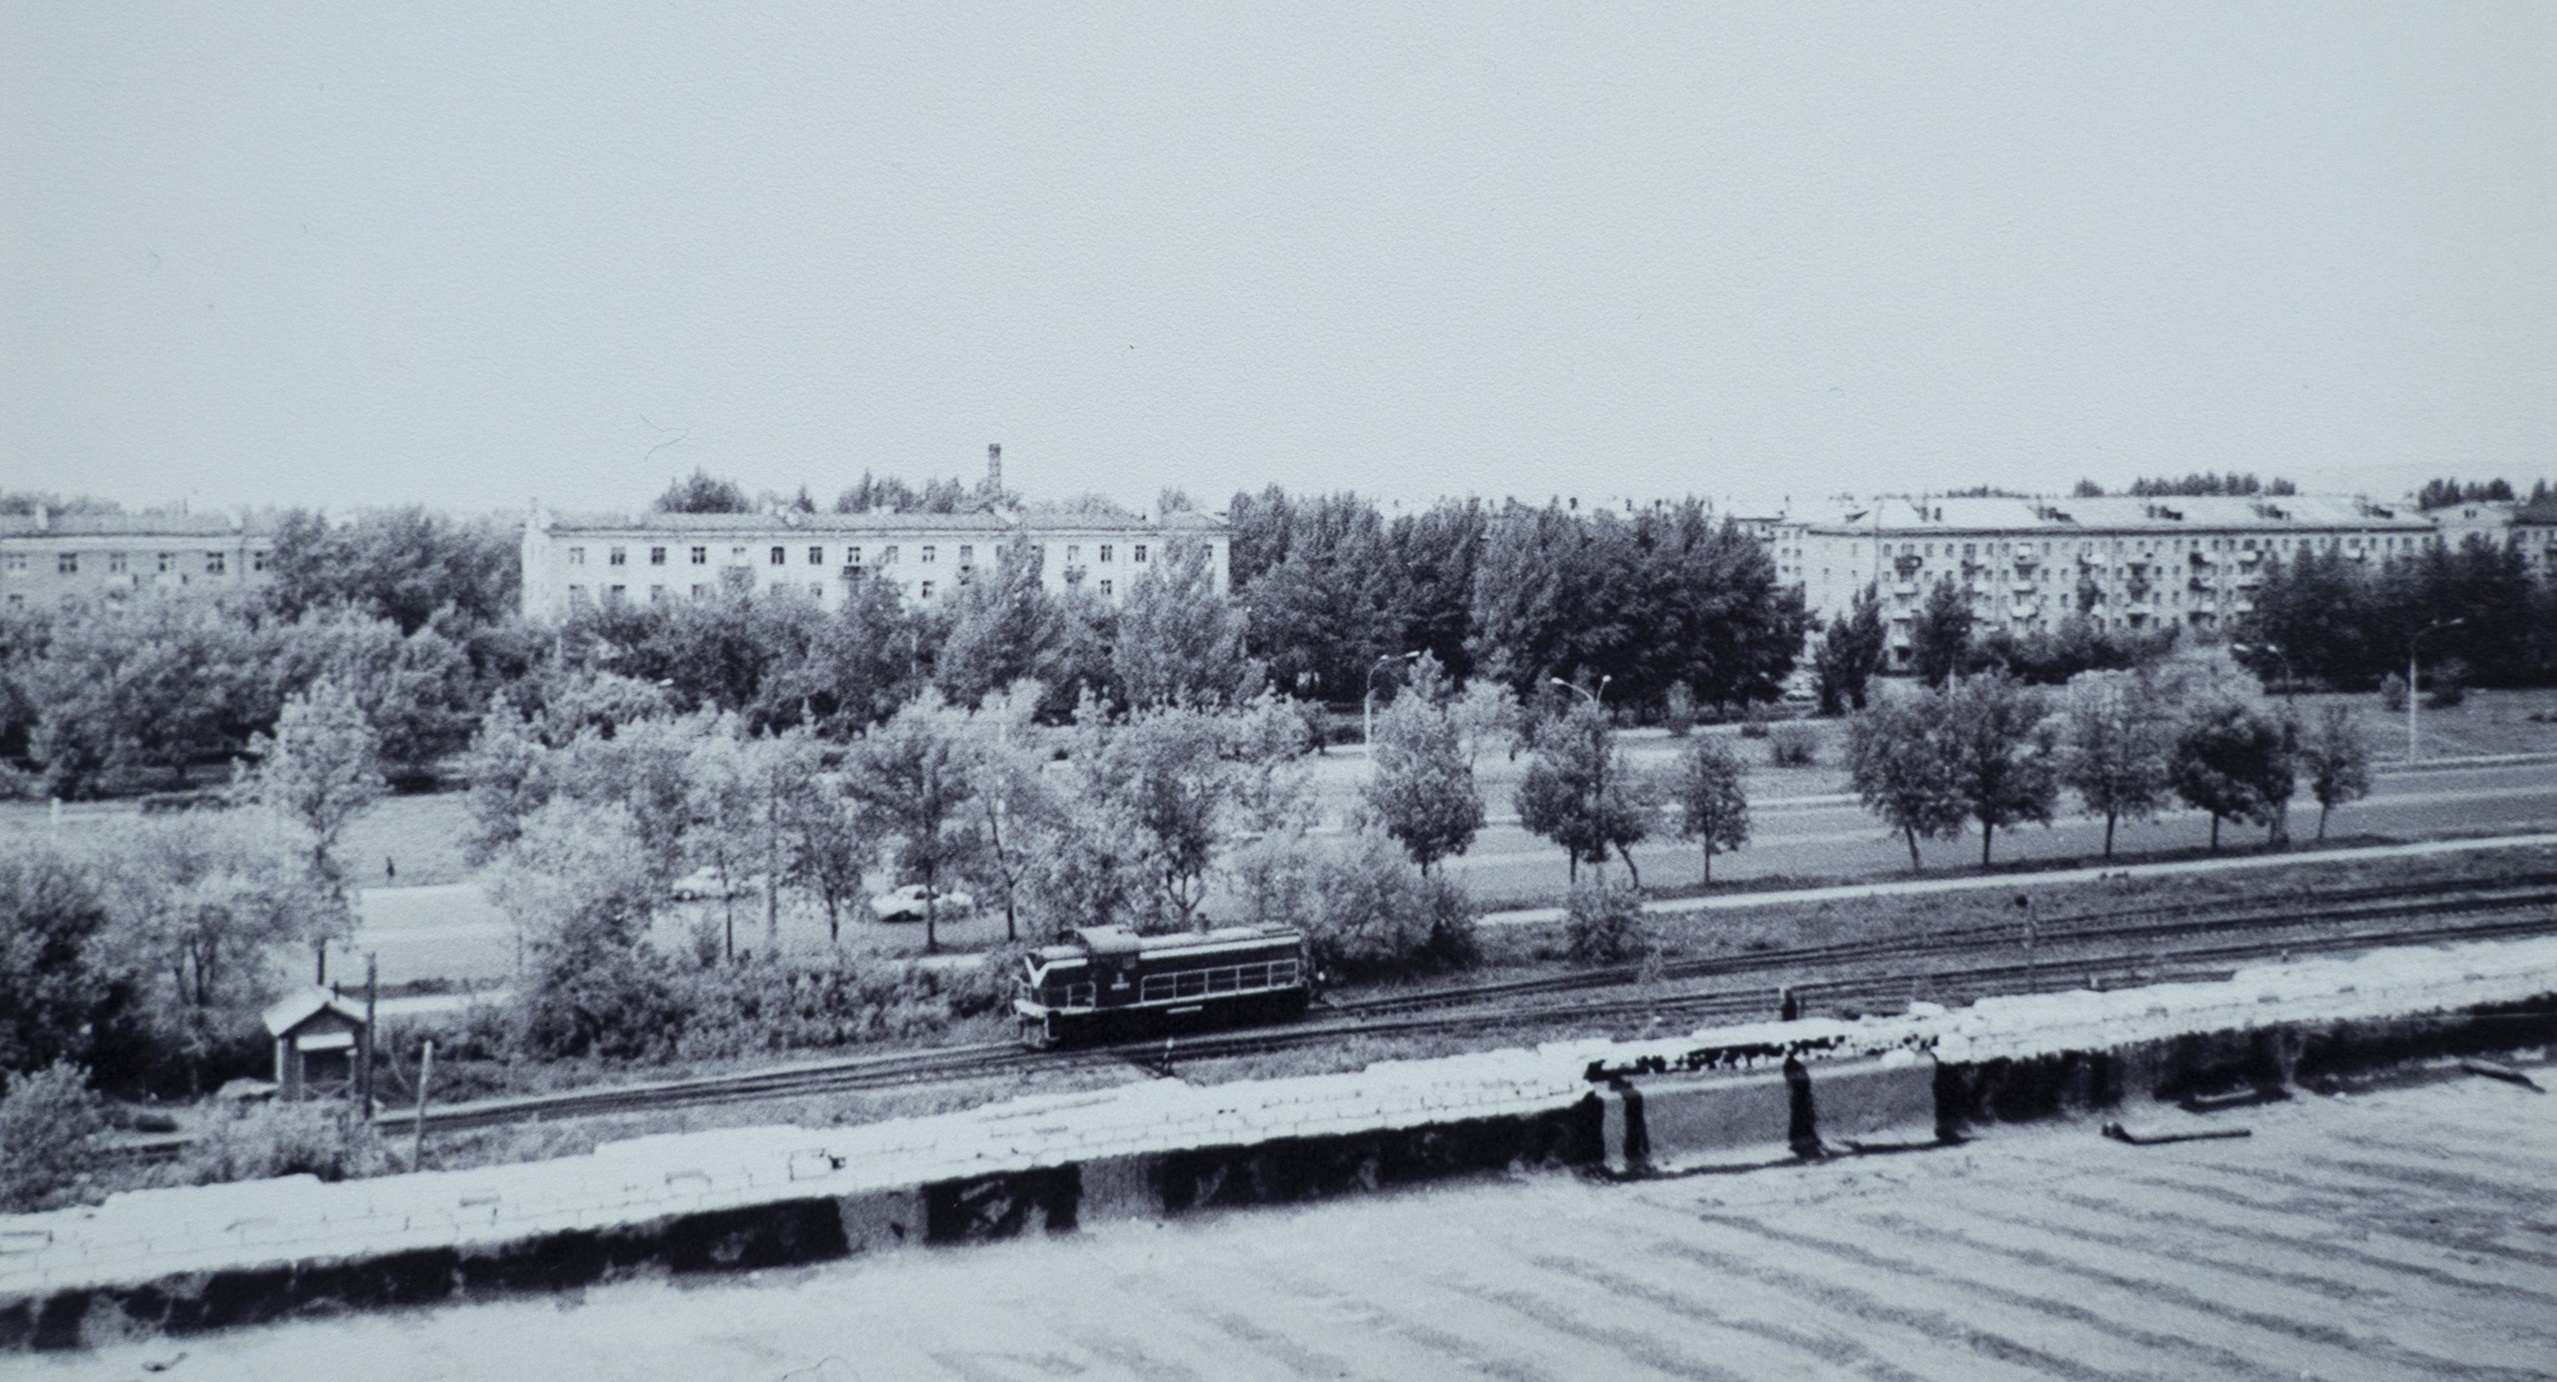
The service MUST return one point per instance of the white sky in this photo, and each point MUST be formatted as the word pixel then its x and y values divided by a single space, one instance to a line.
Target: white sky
pixel 257 253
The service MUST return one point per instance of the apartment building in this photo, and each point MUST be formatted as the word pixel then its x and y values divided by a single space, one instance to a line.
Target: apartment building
pixel 571 560
pixel 49 558
pixel 2125 562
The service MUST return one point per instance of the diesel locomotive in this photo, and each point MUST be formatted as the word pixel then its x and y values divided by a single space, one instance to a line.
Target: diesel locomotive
pixel 1107 983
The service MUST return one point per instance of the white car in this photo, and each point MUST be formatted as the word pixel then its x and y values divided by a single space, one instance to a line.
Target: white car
pixel 906 904
pixel 703 884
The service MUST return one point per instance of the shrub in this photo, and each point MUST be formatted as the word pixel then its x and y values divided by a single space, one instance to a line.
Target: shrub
pixel 2449 688
pixel 619 1002
pixel 768 1006
pixel 1371 912
pixel 2392 693
pixel 1604 925
pixel 1793 745
pixel 48 1121
pixel 1678 710
pixel 330 1140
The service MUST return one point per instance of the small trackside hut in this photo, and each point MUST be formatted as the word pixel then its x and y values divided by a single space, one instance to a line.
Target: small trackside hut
pixel 1108 982
pixel 322 1045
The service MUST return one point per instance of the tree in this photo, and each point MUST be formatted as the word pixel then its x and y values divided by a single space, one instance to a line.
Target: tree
pixel 700 492
pixel 405 565
pixel 1008 628
pixel 1171 776
pixel 158 684
pixel 201 902
pixel 728 825
pixel 2004 755
pixel 1487 712
pixel 582 890
pixel 914 781
pixel 1422 788
pixel 1903 772
pixel 1180 639
pixel 1713 806
pixel 1941 637
pixel 57 993
pixel 2337 760
pixel 1582 794
pixel 49 1121
pixel 319 771
pixel 826 851
pixel 2118 728
pixel 507 770
pixel 1014 806
pixel 2233 761
pixel 1850 654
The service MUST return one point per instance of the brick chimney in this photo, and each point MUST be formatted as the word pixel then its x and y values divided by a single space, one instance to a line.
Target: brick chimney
pixel 994 469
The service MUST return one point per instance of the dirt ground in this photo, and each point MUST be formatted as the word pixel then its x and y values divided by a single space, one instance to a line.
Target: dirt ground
pixel 2400 1231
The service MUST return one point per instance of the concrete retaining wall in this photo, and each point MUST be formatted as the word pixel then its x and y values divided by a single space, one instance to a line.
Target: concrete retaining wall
pixel 189 1260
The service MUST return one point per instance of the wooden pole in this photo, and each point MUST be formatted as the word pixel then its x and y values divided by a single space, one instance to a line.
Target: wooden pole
pixel 417 1131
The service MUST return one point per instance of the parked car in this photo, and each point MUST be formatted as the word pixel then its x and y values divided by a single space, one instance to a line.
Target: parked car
pixel 703 884
pixel 906 903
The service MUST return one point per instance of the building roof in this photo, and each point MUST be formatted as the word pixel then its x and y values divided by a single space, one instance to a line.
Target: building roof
pixel 2161 514
pixel 291 1014
pixel 153 523
pixel 762 525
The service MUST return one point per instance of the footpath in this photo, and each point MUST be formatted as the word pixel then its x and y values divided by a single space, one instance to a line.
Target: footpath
pixel 183 1260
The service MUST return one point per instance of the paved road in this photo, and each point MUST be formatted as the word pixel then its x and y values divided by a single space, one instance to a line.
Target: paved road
pixel 2410 1233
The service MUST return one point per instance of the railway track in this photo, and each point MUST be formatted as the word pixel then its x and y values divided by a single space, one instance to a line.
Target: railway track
pixel 2136 946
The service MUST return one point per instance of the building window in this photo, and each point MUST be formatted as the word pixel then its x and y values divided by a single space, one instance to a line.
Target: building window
pixel 66 564
pixel 577 556
pixel 967 553
pixel 656 594
pixel 701 556
pixel 816 592
pixel 1073 554
pixel 888 556
pixel 215 563
pixel 1105 554
pixel 817 557
pixel 577 595
pixel 616 557
pixel 1139 555
pixel 613 595
pixel 780 555
pixel 927 555
pixel 852 557
pixel 17 561
pixel 1105 585
pixel 927 588
pixel 115 561
pixel 701 592
pixel 261 559
pixel 657 557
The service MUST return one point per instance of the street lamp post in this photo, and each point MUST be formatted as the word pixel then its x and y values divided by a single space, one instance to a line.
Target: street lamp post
pixel 2290 679
pixel 1367 734
pixel 2411 699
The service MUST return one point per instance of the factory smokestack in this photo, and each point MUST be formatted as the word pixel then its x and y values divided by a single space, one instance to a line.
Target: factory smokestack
pixel 994 470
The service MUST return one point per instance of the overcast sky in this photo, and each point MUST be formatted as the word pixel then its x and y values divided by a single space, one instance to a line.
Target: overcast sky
pixel 339 254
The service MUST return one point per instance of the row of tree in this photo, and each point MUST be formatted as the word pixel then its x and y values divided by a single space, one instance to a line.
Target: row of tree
pixel 1989 751
pixel 2480 615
